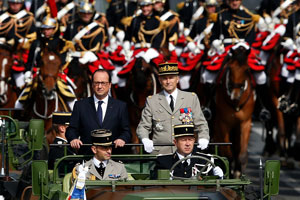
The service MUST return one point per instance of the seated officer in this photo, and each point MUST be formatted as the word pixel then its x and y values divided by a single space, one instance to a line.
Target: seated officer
pixel 184 141
pixel 101 166
pixel 60 121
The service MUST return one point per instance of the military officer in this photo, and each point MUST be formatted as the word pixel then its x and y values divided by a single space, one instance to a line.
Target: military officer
pixel 184 139
pixel 117 10
pixel 170 16
pixel 60 121
pixel 47 38
pixel 24 30
pixel 101 166
pixel 167 108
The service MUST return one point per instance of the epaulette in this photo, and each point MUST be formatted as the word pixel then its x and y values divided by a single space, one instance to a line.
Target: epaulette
pixel 255 18
pixel 162 24
pixel 180 5
pixel 126 21
pixel 213 17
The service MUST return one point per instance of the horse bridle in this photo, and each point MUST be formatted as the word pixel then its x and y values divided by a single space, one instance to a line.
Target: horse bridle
pixel 242 86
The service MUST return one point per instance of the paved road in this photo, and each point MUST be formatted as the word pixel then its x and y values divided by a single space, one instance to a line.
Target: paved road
pixel 289 187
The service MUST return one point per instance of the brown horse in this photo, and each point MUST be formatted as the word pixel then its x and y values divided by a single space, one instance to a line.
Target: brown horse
pixel 234 107
pixel 8 95
pixel 45 95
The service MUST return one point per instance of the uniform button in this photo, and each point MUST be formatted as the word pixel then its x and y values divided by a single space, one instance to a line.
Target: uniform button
pixel 173 117
pixel 184 172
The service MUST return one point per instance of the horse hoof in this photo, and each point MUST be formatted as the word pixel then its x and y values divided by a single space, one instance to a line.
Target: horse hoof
pixel 207 113
pixel 264 115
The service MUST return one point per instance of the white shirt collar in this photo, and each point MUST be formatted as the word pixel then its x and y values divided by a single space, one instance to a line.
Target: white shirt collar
pixel 174 95
pixel 181 156
pixel 62 138
pixel 97 162
pixel 105 100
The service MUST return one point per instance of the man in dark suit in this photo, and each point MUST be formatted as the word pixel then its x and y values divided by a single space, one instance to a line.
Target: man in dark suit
pixel 88 116
pixel 184 142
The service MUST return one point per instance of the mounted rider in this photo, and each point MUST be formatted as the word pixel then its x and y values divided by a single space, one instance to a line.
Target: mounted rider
pixel 48 38
pixel 234 25
pixel 147 33
pixel 88 35
pixel 24 32
pixel 290 72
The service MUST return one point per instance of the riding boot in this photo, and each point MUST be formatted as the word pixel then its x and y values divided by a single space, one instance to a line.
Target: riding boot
pixel 264 99
pixel 209 90
pixel 294 96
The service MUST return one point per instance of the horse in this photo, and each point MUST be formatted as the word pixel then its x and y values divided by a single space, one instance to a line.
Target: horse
pixel 8 94
pixel 48 91
pixel 235 101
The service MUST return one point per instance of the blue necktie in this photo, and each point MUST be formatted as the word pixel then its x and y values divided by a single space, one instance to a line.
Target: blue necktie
pixel 99 112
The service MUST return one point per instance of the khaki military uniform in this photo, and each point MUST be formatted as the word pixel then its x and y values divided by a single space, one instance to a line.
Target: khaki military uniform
pixel 113 171
pixel 158 120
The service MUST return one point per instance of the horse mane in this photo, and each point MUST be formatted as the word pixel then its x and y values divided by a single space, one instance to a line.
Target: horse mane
pixel 240 55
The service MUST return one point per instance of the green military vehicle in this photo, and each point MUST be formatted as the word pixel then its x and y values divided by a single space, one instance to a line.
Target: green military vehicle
pixel 57 183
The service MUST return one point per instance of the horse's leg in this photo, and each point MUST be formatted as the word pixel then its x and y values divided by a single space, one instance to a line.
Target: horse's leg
pixel 241 147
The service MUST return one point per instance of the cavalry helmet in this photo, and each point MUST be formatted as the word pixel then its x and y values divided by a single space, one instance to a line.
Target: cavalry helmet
pixel 16 1
pixel 86 6
pixel 162 1
pixel 49 22
pixel 211 2
pixel 145 2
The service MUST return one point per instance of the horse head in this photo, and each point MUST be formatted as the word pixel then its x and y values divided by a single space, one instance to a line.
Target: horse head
pixel 49 67
pixel 237 71
pixel 6 62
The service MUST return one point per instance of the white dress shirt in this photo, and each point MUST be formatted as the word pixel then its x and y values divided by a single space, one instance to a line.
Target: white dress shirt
pixel 174 95
pixel 97 162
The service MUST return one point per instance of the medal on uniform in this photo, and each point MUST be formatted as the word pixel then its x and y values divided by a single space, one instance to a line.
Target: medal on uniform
pixel 186 115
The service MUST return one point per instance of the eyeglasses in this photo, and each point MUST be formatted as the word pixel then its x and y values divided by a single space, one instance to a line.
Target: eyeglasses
pixel 101 83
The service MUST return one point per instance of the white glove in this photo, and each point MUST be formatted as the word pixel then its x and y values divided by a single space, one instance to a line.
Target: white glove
pixel 28 77
pixel 150 54
pixel 217 171
pixel 110 31
pixel 88 57
pixel 193 48
pixel 186 32
pixel 120 36
pixel 112 45
pixel 280 30
pixel 148 145
pixel 202 143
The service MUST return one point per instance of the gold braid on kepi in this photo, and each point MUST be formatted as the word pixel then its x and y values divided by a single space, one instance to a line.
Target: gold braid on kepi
pixel 101 137
pixel 168 69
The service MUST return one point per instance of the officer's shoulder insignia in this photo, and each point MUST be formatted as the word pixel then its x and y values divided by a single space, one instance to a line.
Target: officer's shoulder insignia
pixel 193 93
pixel 126 21
pixel 150 96
pixel 213 17
pixel 180 5
pixel 120 162
pixel 255 18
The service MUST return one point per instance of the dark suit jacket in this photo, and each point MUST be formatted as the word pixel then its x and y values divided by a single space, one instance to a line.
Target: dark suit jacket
pixel 84 119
